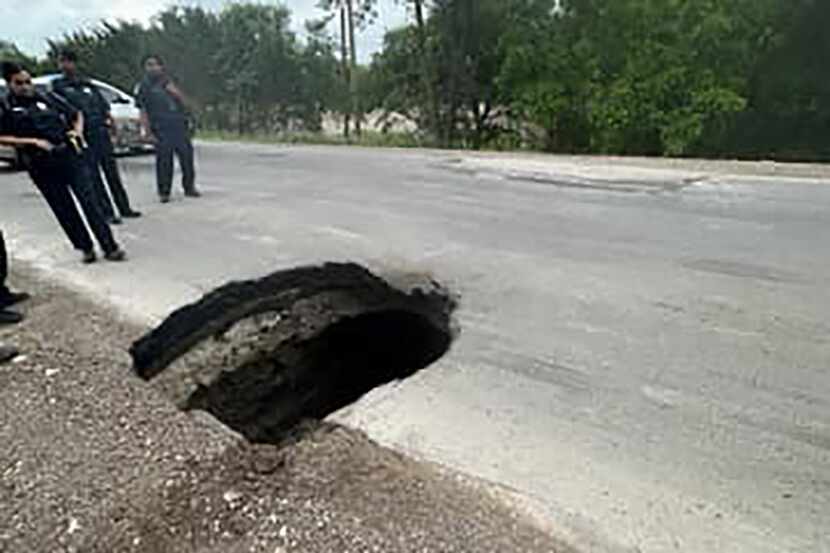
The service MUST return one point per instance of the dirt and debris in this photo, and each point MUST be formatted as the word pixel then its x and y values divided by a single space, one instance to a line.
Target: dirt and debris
pixel 93 459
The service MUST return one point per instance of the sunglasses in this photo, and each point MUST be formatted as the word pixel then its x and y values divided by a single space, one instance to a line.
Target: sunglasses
pixel 19 82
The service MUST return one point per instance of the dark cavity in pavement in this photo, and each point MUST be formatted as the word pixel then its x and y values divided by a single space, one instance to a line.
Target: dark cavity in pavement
pixel 264 355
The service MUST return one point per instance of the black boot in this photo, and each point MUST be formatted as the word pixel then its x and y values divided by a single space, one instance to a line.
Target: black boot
pixel 7 353
pixel 116 255
pixel 9 298
pixel 10 317
pixel 89 257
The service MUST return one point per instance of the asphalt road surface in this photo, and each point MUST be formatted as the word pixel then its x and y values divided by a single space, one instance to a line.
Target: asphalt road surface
pixel 645 349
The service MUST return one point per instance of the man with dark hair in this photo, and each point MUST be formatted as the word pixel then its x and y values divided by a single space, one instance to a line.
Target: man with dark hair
pixel 84 96
pixel 164 119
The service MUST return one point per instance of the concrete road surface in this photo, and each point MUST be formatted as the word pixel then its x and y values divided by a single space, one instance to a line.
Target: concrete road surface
pixel 645 356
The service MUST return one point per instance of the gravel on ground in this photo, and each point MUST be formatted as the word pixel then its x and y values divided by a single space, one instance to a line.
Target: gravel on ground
pixel 95 460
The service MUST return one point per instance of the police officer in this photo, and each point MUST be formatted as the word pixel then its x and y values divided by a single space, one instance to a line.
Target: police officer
pixel 49 133
pixel 7 297
pixel 164 119
pixel 84 96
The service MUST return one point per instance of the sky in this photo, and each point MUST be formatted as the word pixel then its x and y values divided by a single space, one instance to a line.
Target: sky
pixel 29 23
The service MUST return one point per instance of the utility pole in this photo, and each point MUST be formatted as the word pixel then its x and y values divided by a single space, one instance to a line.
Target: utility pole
pixel 353 88
pixel 347 74
pixel 430 98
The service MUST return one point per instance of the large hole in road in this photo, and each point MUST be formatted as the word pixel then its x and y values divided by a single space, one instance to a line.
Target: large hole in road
pixel 263 355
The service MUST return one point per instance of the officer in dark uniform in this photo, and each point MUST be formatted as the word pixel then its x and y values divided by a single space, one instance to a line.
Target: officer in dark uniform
pixel 49 133
pixel 164 119
pixel 7 297
pixel 83 95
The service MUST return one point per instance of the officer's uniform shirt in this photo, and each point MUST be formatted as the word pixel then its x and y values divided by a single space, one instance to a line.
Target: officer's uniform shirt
pixel 46 117
pixel 161 106
pixel 84 96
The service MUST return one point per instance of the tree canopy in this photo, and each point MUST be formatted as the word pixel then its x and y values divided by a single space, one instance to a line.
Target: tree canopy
pixel 656 77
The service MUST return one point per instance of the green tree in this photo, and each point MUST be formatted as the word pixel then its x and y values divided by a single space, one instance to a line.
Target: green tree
pixel 113 50
pixel 788 115
pixel 549 64
pixel 242 65
pixel 444 74
pixel 10 52
pixel 633 76
pixel 668 77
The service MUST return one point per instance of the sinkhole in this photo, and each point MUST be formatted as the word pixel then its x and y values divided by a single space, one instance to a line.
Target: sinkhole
pixel 263 355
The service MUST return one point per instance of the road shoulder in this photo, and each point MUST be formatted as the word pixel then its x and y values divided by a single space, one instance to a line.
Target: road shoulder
pixel 96 460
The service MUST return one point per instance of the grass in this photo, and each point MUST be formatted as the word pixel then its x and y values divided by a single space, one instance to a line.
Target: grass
pixel 368 139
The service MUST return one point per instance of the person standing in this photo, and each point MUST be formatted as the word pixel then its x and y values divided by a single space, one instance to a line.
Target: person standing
pixel 84 96
pixel 47 131
pixel 7 297
pixel 164 119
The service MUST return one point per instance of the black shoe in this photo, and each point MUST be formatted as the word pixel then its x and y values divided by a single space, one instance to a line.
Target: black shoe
pixel 7 353
pixel 12 298
pixel 10 317
pixel 164 199
pixel 89 257
pixel 116 255
pixel 114 221
pixel 132 214
pixel 193 193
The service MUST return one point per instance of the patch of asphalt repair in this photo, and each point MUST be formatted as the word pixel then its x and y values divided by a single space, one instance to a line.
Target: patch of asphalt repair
pixel 95 460
pixel 740 270
pixel 570 175
pixel 629 186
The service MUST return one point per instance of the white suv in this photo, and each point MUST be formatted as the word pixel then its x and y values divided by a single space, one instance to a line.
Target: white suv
pixel 124 111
